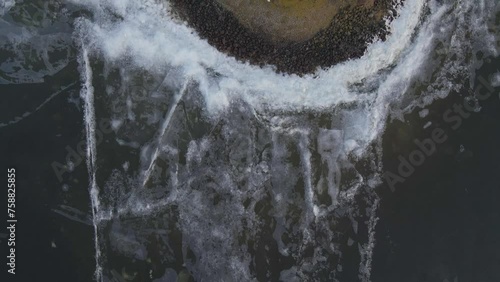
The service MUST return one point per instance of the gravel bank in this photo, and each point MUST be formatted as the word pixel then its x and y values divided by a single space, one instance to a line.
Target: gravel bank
pixel 347 36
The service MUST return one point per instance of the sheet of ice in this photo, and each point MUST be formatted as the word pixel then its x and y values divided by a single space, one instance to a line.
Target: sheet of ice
pixel 272 148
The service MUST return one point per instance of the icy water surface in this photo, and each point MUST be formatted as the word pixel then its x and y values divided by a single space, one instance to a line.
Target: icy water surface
pixel 150 156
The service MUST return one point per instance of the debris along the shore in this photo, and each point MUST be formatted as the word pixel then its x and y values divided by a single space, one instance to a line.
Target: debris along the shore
pixel 350 30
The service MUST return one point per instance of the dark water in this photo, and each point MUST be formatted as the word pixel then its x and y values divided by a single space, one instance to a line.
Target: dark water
pixel 31 146
pixel 441 224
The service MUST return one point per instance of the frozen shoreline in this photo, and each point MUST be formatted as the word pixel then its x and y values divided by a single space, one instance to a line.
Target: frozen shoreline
pixel 346 36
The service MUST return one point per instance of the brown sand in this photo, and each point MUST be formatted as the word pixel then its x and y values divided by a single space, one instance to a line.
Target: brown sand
pixel 288 20
pixel 346 36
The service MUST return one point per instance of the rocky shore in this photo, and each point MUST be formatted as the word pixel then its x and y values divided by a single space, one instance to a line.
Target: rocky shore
pixel 347 35
pixel 287 20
